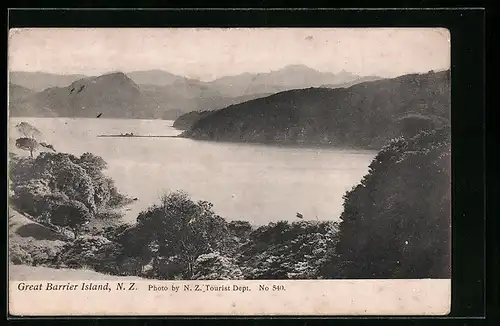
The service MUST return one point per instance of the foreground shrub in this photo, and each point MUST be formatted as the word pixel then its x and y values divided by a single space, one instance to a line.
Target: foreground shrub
pixel 396 222
pixel 108 215
pixel 47 205
pixel 44 255
pixel 84 251
pixel 28 195
pixel 214 266
pixel 35 254
pixel 288 251
pixel 174 233
pixel 72 214
pixel 20 169
pixel 18 255
pixel 78 178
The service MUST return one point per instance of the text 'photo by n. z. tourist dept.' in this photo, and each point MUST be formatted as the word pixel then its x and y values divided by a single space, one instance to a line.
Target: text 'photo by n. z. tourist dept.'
pixel 269 171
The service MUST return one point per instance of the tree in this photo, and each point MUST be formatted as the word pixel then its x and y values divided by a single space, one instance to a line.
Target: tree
pixel 241 229
pixel 28 130
pixel 174 233
pixel 93 166
pixel 49 146
pixel 79 178
pixel 214 266
pixel 29 140
pixel 66 176
pixel 86 250
pixel 21 169
pixel 47 165
pixel 27 144
pixel 72 214
pixel 73 181
pixel 287 251
pixel 102 193
pixel 94 162
pixel 48 203
pixel 28 195
pixel 105 191
pixel 396 222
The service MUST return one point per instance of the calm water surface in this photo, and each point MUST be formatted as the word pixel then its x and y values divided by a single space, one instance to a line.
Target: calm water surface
pixel 250 182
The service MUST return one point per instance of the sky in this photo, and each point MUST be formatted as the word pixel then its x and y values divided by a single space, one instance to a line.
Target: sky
pixel 207 54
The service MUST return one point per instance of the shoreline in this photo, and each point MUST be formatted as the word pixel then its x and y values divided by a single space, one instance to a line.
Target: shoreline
pixel 137 136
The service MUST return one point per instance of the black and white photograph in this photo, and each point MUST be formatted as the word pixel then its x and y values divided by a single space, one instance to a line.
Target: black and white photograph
pixel 228 154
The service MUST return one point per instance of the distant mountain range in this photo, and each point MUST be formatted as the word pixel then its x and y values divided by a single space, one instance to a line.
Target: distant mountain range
pixel 287 78
pixel 160 78
pixel 365 115
pixel 39 81
pixel 153 94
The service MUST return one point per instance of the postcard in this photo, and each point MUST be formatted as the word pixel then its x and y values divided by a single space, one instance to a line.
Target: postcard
pixel 229 171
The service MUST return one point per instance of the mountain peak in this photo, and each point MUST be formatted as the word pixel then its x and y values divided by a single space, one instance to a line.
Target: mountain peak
pixel 344 72
pixel 298 67
pixel 115 75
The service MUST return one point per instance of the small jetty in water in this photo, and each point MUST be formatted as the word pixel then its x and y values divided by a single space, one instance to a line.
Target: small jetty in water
pixel 137 136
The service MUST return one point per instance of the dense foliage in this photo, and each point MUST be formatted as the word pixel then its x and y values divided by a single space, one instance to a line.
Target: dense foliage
pixel 62 189
pixel 396 222
pixel 72 214
pixel 172 235
pixel 365 115
pixel 287 251
pixel 27 144
pixel 182 239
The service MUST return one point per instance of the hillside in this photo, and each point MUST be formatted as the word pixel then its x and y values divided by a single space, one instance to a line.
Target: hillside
pixel 364 115
pixel 39 81
pixel 17 108
pixel 352 82
pixel 186 121
pixel 17 92
pixel 114 95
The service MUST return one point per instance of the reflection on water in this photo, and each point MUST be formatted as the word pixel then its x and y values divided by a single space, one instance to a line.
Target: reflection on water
pixel 257 183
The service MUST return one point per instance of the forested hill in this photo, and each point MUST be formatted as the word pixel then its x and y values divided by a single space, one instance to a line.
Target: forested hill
pixel 365 115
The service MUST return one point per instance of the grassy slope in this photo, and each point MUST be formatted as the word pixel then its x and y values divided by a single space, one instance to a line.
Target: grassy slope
pixel 27 233
pixel 24 231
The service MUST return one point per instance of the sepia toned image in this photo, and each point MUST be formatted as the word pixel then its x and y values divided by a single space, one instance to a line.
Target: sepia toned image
pixel 266 171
